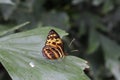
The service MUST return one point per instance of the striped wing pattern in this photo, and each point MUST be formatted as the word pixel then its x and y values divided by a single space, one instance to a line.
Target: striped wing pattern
pixel 53 48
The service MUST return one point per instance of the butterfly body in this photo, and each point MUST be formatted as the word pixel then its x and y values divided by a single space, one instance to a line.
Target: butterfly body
pixel 53 48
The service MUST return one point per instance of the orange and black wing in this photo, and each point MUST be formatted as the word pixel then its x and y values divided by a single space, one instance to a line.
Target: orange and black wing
pixel 53 48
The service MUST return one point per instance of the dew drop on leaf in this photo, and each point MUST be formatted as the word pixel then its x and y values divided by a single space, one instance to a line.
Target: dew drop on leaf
pixel 31 64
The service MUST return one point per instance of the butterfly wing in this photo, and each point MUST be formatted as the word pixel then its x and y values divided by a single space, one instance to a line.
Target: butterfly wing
pixel 53 48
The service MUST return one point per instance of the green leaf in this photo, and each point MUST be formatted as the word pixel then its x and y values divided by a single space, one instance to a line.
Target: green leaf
pixel 57 19
pixel 97 2
pixel 5 30
pixel 108 6
pixel 74 2
pixel 21 56
pixel 7 10
pixel 93 40
pixel 6 2
pixel 82 29
pixel 112 55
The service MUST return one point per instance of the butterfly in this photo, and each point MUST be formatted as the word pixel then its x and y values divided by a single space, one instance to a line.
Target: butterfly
pixel 53 48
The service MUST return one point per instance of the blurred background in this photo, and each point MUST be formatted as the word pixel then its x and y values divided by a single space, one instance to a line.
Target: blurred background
pixel 93 27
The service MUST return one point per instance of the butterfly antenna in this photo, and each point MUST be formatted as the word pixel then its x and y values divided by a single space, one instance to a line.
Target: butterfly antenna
pixel 71 42
pixel 74 50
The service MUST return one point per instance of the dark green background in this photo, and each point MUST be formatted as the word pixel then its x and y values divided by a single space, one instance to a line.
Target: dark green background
pixel 94 24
